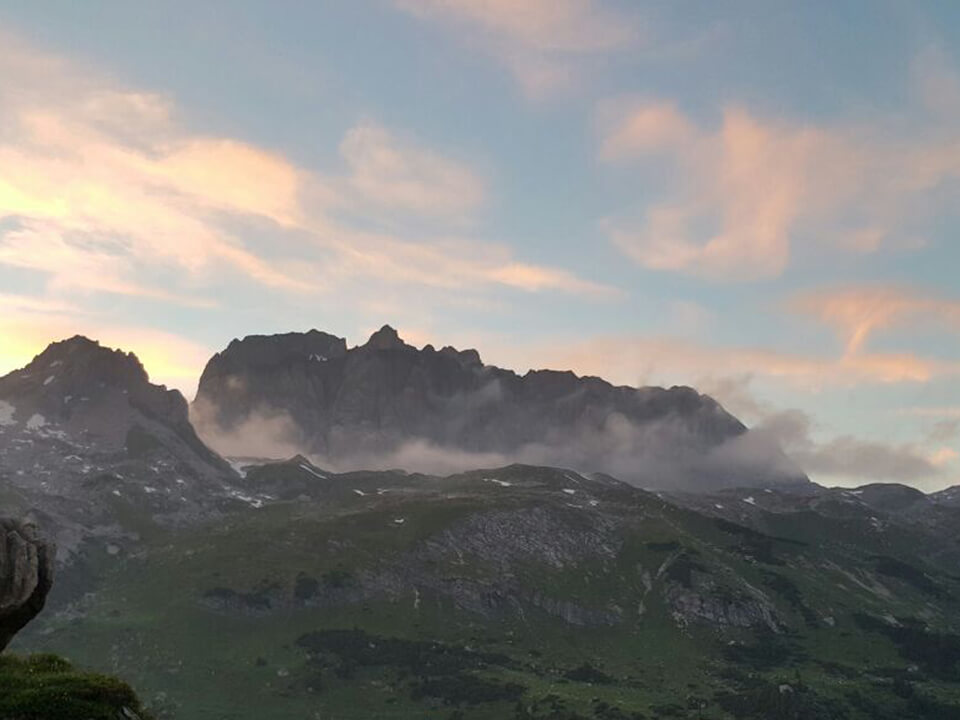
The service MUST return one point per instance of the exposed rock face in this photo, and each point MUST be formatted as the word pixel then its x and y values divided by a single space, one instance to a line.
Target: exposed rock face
pixel 78 388
pixel 388 404
pixel 26 575
pixel 82 428
pixel 689 606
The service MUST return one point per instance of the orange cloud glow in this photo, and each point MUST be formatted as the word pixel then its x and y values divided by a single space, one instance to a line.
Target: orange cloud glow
pixel 28 325
pixel 103 188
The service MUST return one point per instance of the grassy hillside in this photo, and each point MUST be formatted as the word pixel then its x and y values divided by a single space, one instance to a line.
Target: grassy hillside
pixel 518 593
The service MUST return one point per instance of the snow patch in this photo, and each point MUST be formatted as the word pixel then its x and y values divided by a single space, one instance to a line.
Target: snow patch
pixel 718 506
pixel 399 521
pixel 251 501
pixel 36 422
pixel 750 500
pixel 501 483
pixel 570 491
pixel 49 379
pixel 312 471
pixel 361 493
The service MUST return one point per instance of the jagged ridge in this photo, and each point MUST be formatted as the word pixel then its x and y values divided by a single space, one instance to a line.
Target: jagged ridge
pixel 387 403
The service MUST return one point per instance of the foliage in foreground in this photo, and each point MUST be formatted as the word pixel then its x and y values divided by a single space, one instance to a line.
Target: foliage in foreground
pixel 47 687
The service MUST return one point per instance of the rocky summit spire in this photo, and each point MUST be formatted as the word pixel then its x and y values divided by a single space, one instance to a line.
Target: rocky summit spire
pixel 386 338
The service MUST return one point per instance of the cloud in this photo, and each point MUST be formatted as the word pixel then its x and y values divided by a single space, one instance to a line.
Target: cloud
pixel 858 312
pixel 638 360
pixel 650 128
pixel 102 190
pixel 745 193
pixel 942 425
pixel 849 458
pixel 264 433
pixel 540 41
pixel 101 184
pixel 730 373
pixel 843 458
pixel 401 176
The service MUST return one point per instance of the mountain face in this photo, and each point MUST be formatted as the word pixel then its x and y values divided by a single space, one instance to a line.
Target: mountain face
pixel 76 388
pixel 82 428
pixel 388 404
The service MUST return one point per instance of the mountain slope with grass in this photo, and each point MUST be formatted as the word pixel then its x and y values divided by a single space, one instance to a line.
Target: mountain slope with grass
pixel 519 592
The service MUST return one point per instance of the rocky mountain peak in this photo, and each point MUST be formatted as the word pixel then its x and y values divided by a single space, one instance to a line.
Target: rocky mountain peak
pixel 266 351
pixel 72 376
pixel 386 338
pixel 468 357
pixel 82 365
pixel 85 406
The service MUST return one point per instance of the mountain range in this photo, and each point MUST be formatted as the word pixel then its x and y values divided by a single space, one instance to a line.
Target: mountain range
pixel 387 404
pixel 289 587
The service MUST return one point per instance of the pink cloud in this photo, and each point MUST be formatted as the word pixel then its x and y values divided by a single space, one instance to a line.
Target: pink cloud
pixel 857 313
pixel 746 192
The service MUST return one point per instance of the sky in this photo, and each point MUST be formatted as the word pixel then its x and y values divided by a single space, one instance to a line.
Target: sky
pixel 759 199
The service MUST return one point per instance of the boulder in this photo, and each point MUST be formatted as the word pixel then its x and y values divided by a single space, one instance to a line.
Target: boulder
pixel 26 574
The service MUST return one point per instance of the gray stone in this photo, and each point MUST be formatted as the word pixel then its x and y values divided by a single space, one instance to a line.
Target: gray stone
pixel 26 575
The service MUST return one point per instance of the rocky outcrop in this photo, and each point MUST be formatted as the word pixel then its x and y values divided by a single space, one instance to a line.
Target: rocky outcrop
pixel 26 574
pixel 387 404
pixel 720 609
